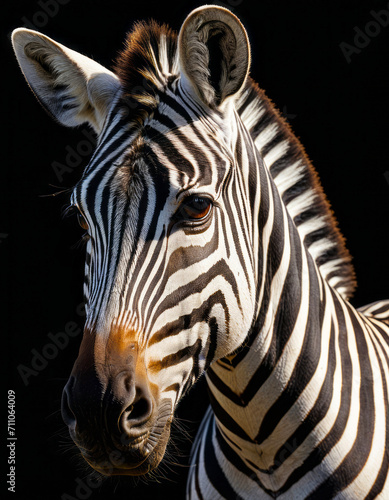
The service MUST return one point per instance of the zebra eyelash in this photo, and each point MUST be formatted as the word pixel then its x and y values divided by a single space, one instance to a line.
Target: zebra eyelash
pixel 69 211
pixel 73 210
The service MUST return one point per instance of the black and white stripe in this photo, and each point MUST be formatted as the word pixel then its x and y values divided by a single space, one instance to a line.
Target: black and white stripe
pixel 254 293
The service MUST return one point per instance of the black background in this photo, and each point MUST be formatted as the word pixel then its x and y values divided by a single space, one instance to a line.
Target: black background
pixel 339 110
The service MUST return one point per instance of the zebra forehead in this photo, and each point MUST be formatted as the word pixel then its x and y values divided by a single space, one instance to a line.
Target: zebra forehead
pixel 163 162
pixel 174 158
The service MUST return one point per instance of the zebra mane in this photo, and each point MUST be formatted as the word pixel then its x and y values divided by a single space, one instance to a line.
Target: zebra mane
pixel 149 61
pixel 299 186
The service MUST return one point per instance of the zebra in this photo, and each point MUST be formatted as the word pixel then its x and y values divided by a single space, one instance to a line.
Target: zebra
pixel 211 249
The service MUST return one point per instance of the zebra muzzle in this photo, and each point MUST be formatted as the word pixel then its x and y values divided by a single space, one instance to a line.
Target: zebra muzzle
pixel 113 414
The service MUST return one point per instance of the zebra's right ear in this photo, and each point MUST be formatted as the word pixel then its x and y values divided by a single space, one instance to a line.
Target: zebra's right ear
pixel 71 87
pixel 214 54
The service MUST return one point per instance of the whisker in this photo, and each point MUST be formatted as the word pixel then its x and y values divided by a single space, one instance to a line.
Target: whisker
pixel 50 195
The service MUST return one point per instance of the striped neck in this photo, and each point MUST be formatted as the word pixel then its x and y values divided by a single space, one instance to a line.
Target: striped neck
pixel 278 366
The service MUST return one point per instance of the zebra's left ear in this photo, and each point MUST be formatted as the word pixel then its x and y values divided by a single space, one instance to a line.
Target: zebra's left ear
pixel 72 87
pixel 214 54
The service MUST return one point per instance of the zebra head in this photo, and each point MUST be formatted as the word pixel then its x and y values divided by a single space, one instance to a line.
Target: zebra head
pixel 170 278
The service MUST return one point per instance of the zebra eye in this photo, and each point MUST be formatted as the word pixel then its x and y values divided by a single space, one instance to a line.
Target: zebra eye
pixel 196 207
pixel 83 223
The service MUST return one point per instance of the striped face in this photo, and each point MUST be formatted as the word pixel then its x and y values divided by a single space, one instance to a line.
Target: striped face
pixel 165 202
pixel 168 286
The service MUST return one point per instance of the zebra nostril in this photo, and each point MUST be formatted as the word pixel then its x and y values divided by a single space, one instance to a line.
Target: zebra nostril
pixel 138 412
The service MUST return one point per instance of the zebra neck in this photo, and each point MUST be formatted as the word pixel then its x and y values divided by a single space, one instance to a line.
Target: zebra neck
pixel 261 394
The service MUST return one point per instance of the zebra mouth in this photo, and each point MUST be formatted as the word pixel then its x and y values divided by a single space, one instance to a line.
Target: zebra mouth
pixel 138 457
